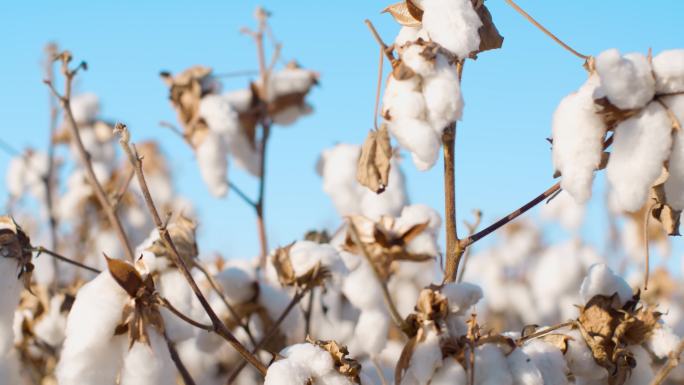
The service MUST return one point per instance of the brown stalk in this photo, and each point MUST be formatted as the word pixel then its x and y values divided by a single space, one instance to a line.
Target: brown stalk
pixel 540 333
pixel 50 52
pixel 175 357
pixel 647 253
pixel 84 157
pixel 165 303
pixel 59 257
pixel 387 50
pixel 546 31
pixel 672 362
pixel 217 325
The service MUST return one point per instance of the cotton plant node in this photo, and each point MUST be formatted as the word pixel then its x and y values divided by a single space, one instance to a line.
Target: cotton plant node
pixel 141 312
pixel 15 244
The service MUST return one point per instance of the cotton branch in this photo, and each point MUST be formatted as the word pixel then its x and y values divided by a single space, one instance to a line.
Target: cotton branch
pixel 59 257
pixel 217 325
pixel 84 157
pixel 50 53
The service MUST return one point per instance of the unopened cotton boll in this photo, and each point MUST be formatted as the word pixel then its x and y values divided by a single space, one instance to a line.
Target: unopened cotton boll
pixel 601 280
pixel 640 147
pixel 418 137
pixel 148 365
pixel 461 296
pixel 549 360
pixel 523 370
pixel 627 81
pixel 213 163
pixel 453 24
pixel 674 185
pixel 668 67
pixel 491 367
pixel 92 355
pixel 577 133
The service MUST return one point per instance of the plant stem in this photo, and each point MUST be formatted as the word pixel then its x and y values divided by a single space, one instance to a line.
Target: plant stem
pixel 218 326
pixel 454 251
pixel 50 52
pixel 182 370
pixel 59 257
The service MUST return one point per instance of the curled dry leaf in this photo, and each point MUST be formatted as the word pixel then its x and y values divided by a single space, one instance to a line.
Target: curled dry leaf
pixel 185 91
pixel 14 243
pixel 374 163
pixel 346 366
pixel 405 13
pixel 663 212
pixel 490 38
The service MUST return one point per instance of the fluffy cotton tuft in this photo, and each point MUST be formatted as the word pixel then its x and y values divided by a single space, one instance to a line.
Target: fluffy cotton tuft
pixel 453 24
pixel 11 288
pixel 371 331
pixel 578 133
pixel 668 67
pixel 213 163
pixel 442 93
pixel 491 367
pixel 580 359
pixel 601 280
pixel 149 365
pixel 461 296
pixel 640 147
pixel 426 358
pixel 674 185
pixel 418 137
pixel 627 81
pixel 305 255
pixel 451 373
pixel 85 108
pixel 549 360
pixel 523 370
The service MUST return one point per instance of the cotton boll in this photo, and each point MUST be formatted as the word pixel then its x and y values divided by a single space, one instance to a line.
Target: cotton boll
pixel 668 67
pixel 50 328
pixel 219 115
pixel 580 359
pixel 626 80
pixel 305 255
pixel 418 137
pixel 85 107
pixel 149 365
pixel 335 378
pixel 640 147
pixel 578 140
pixel 523 370
pixel 91 353
pixel 316 360
pixel 11 288
pixel 99 150
pixel 642 373
pixel 412 56
pixel 290 80
pixel 290 114
pixel 173 286
pixel 362 289
pixel 549 360
pixel 237 283
pixel 461 296
pixel 451 373
pixel 674 185
pixel 556 273
pixel 427 356
pixel 337 166
pixel 213 163
pixel 453 24
pixel 600 280
pixel 417 214
pixel 403 99
pixel 371 331
pixel 663 341
pixel 442 92
pixel 275 302
pixel 285 372
pixel 491 367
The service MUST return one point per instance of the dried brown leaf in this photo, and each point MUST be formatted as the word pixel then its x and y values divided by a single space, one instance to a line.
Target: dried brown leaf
pixel 401 71
pixel 374 163
pixel 490 38
pixel 558 340
pixel 403 13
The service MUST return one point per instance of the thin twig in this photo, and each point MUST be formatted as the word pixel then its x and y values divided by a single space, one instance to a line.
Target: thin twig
pixel 672 362
pixel 396 317
pixel 546 31
pixel 166 304
pixel 122 190
pixel 59 257
pixel 472 228
pixel 647 253
pixel 241 194
pixel 48 178
pixel 218 326
pixel 386 49
pixel 175 357
pixel 65 101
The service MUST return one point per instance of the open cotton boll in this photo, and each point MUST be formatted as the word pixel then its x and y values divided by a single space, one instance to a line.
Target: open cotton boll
pixel 238 284
pixel 371 331
pixel 337 166
pixel 523 370
pixel 11 289
pixel 91 354
pixel 305 255
pixel 317 361
pixel 451 373
pixel 453 24
pixel 390 202
pixel 674 185
pixel 668 67
pixel 419 213
pixel 549 360
pixel 149 365
pixel 409 34
pixel 412 56
pixel 50 328
pixel 642 373
pixel 627 81
pixel 362 288
pixel 213 163
pixel 557 272
pixel 418 137
pixel 275 301
pixel 461 296
pixel 577 132
pixel 172 285
pixel 491 367
pixel 662 341
pixel 640 147
pixel 290 114
pixel 403 99
pixel 85 107
pixel 290 80
pixel 26 173
pixel 580 359
pixel 601 280
pixel 426 357
pixel 442 93
pixel 219 115
pixel 285 372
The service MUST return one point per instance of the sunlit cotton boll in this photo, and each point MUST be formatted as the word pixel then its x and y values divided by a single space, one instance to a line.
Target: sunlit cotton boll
pixel 549 360
pixel 85 107
pixel 668 67
pixel 149 365
pixel 306 255
pixel 442 93
pixel 627 81
pixel 426 358
pixel 418 137
pixel 580 358
pixel 451 373
pixel 453 24
pixel 410 34
pixel 640 147
pixel 577 134
pixel 461 296
pixel 371 331
pixel 523 370
pixel 213 163
pixel 491 367
pixel 601 280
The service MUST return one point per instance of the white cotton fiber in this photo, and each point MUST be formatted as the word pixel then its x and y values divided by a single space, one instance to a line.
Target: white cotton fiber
pixel 50 328
pixel 426 358
pixel 640 147
pixel 668 67
pixel 442 93
pixel 627 81
pixel 523 370
pixel 453 24
pixel 451 373
pixel 491 367
pixel 362 288
pixel 409 34
pixel 578 133
pixel 461 296
pixel 11 288
pixel 337 166
pixel 412 56
pixel 371 331
pixel 172 285
pixel 305 255
pixel 285 372
pixel 642 373
pixel 275 301
pixel 663 341
pixel 219 115
pixel 402 99
pixel 418 137
pixel 549 360
pixel 85 108
pixel 391 201
pixel 317 361
pixel 92 355
pixel 26 173
pixel 674 185
pixel 213 163
pixel 290 80
pixel 237 283
pixel 580 359
pixel 149 365
pixel 601 280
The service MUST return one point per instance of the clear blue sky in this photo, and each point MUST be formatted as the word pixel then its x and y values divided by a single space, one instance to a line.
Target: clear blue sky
pixel 503 158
